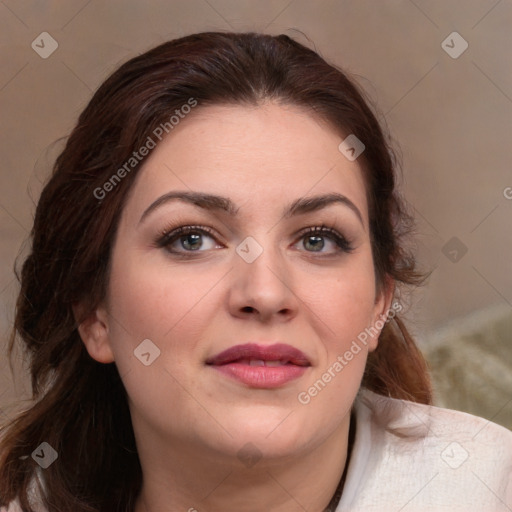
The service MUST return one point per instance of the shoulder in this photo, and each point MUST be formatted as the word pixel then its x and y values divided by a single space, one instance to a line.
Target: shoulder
pixel 426 457
pixel 34 495
pixel 14 506
pixel 419 422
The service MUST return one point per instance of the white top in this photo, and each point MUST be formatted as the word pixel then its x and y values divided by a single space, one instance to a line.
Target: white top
pixel 410 457
pixel 448 461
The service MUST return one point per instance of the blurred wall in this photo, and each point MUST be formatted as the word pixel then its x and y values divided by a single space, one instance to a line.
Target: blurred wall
pixel 439 72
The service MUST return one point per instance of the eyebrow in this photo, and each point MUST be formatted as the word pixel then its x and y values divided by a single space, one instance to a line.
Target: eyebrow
pixel 219 203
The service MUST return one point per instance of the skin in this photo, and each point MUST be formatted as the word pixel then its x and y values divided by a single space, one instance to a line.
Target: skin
pixel 190 421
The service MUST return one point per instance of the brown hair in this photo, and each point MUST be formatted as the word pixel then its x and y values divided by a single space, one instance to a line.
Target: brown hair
pixel 80 406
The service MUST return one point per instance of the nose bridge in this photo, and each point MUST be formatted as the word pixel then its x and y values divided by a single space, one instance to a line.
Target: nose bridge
pixel 261 277
pixel 260 259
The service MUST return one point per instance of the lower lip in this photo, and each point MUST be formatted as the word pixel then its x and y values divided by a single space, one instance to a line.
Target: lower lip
pixel 264 377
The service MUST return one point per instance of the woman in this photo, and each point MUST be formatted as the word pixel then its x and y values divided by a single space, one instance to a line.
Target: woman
pixel 211 304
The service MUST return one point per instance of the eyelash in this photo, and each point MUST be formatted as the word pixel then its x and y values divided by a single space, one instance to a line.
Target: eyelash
pixel 170 235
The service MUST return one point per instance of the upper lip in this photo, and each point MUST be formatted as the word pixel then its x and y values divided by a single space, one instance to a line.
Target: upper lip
pixel 275 352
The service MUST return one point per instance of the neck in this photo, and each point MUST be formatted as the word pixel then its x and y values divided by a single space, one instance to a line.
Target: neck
pixel 312 482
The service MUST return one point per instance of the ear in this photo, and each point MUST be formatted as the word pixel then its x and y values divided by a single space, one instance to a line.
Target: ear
pixel 94 331
pixel 381 311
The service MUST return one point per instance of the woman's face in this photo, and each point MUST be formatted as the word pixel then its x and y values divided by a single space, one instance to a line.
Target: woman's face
pixel 248 277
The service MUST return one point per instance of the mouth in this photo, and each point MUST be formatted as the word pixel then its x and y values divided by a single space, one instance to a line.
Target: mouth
pixel 261 366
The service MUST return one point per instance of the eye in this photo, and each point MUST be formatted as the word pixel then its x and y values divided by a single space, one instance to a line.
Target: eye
pixel 191 239
pixel 314 238
pixel 187 239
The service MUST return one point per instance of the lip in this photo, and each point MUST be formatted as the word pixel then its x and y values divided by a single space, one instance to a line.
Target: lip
pixel 247 363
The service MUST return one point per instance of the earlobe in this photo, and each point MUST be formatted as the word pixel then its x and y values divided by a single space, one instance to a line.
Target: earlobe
pixel 381 312
pixel 94 332
pixel 386 298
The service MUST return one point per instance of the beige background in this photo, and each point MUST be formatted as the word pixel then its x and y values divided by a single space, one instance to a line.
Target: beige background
pixel 452 118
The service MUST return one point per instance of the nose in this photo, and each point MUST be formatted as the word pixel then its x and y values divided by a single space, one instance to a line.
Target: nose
pixel 263 288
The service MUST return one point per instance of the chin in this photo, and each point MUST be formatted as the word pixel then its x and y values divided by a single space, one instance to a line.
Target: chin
pixel 275 439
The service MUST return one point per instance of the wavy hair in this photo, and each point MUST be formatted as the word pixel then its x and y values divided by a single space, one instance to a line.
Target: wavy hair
pixel 80 406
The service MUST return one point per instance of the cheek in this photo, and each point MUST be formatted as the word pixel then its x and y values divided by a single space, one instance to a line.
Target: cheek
pixel 168 305
pixel 159 304
pixel 154 301
pixel 344 308
pixel 344 301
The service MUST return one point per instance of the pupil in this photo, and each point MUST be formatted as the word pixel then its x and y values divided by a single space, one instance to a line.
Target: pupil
pixel 188 237
pixel 316 239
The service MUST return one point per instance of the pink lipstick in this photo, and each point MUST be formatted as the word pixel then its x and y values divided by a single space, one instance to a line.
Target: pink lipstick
pixel 261 366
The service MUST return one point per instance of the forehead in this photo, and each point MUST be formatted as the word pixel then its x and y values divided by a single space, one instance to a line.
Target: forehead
pixel 262 156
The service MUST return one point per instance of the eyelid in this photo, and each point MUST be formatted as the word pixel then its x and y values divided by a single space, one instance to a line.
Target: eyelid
pixel 167 234
pixel 345 244
pixel 172 233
